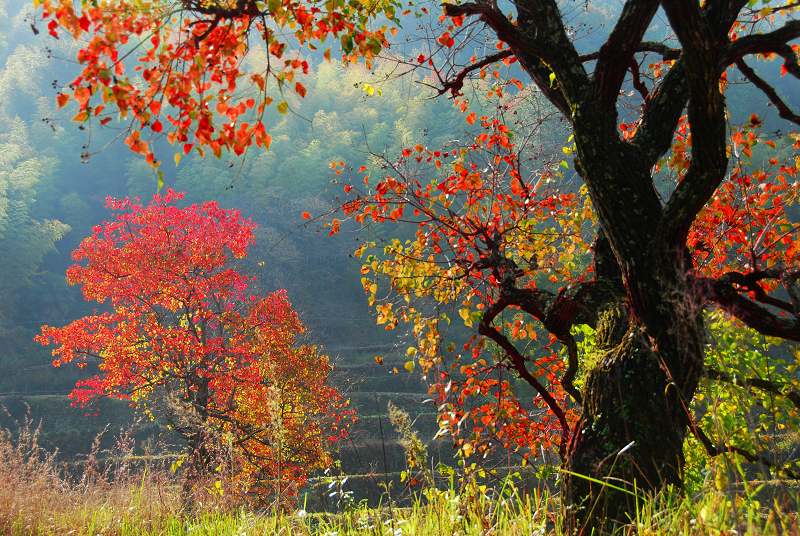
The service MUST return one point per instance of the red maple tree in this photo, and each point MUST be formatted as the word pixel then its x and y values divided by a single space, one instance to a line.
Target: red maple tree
pixel 180 322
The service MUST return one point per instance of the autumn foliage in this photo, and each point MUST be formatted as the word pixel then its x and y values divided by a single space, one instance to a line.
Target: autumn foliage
pixel 586 279
pixel 471 204
pixel 179 323
pixel 188 80
pixel 483 221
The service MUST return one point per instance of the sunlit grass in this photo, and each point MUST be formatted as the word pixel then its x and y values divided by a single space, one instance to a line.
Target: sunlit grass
pixel 37 499
pixel 133 511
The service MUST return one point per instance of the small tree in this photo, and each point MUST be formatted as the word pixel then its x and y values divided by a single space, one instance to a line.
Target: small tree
pixel 181 321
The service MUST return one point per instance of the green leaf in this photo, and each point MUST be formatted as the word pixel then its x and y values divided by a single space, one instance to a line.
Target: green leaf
pixel 347 43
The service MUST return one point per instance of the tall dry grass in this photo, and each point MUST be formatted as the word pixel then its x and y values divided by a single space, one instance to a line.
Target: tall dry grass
pixel 38 495
pixel 115 493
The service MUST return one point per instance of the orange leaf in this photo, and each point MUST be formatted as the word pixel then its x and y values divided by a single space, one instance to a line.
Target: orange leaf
pixel 447 40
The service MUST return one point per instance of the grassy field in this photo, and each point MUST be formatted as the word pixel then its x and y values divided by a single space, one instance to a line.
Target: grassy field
pixel 37 498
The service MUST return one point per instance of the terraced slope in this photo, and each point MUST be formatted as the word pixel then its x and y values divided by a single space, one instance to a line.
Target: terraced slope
pixel 372 455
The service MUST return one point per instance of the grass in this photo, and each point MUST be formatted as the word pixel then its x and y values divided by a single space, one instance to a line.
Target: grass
pixel 38 498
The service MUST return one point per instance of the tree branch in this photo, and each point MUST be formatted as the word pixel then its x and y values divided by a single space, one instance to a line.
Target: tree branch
pixel 528 52
pixel 455 84
pixel 775 42
pixel 637 82
pixel 784 390
pixel 487 329
pixel 716 450
pixel 572 370
pixel 542 36
pixel 617 52
pixel 558 314
pixel 661 114
pixel 666 103
pixel 751 282
pixel 783 109
pixel 761 319
pixel 242 8
pixel 665 51
pixel 706 112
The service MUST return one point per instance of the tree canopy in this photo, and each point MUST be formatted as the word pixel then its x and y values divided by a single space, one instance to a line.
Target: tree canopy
pixel 184 325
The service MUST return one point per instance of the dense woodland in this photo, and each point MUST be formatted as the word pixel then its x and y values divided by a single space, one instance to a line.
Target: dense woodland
pixel 501 271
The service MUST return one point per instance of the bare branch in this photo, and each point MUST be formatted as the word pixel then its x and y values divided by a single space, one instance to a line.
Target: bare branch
pixel 616 54
pixel 783 109
pixel 714 450
pixel 751 281
pixel 638 84
pixel 666 52
pixel 775 42
pixel 761 319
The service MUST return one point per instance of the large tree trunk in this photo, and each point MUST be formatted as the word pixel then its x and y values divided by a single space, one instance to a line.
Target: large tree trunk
pixel 635 399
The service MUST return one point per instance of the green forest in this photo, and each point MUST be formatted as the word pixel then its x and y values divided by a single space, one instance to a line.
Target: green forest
pixel 355 267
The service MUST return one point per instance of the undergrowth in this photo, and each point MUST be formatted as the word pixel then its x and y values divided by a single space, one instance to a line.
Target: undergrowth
pixel 39 497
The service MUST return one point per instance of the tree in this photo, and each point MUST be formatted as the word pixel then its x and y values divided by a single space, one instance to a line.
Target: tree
pixel 653 273
pixel 640 390
pixel 510 253
pixel 182 323
pixel 25 240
